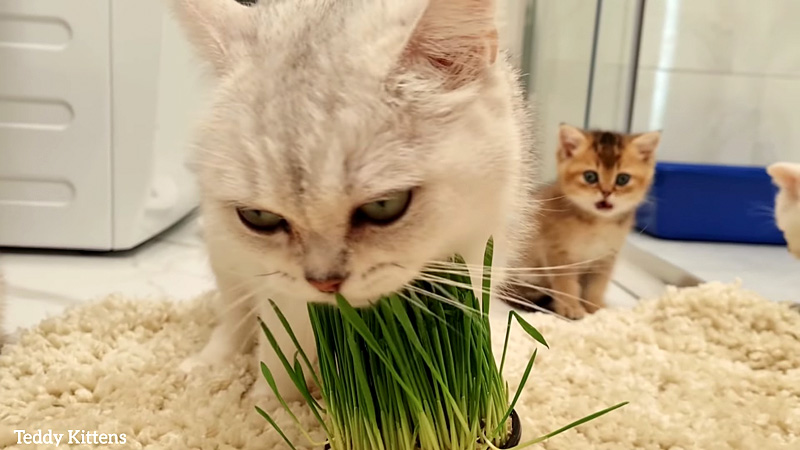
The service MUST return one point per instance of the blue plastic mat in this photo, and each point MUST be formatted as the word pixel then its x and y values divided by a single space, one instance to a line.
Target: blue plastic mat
pixel 717 203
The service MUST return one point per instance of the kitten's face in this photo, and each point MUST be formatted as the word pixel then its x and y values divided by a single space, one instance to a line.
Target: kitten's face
pixel 606 174
pixel 339 156
pixel 787 203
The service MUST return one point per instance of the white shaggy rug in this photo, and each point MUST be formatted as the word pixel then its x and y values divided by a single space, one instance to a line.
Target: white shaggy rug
pixel 705 368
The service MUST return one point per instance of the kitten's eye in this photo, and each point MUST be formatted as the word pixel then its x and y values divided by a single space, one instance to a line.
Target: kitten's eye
pixel 623 179
pixel 591 176
pixel 261 221
pixel 384 212
pixel 247 2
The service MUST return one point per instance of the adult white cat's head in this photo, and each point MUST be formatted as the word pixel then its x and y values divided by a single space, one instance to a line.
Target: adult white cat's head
pixel 787 203
pixel 352 141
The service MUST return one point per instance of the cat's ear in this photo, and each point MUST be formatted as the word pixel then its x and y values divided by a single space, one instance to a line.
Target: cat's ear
pixel 786 176
pixel 216 27
pixel 646 144
pixel 571 140
pixel 455 40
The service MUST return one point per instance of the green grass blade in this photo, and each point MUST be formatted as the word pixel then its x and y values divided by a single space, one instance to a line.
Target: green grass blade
pixel 298 369
pixel 351 316
pixel 276 427
pixel 532 332
pixel 572 425
pixel 505 342
pixel 292 336
pixel 488 256
pixel 522 384
pixel 299 383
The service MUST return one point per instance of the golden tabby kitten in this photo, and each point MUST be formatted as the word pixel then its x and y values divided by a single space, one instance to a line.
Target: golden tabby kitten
pixel 585 216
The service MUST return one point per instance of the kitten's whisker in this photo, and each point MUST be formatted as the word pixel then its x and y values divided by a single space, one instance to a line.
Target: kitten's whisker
pixel 552 210
pixel 542 200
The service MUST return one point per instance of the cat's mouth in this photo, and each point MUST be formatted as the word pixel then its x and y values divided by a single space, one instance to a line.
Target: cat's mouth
pixel 604 205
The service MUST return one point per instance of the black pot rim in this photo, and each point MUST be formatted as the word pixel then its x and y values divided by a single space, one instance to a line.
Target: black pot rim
pixel 513 438
pixel 516 431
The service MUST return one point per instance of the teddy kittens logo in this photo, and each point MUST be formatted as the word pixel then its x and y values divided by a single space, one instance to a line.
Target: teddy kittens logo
pixel 71 437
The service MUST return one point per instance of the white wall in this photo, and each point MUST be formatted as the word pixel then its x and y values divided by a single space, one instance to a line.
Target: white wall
pixel 722 78
pixel 563 33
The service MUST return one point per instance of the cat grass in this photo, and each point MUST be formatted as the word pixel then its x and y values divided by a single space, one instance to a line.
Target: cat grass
pixel 413 371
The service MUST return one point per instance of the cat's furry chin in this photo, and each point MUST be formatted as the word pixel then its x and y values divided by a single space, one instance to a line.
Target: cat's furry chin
pixel 325 106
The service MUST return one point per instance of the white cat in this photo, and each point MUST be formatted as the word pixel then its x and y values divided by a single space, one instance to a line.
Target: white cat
pixel 350 143
pixel 787 203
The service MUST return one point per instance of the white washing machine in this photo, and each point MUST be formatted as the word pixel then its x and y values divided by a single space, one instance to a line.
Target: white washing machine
pixel 97 99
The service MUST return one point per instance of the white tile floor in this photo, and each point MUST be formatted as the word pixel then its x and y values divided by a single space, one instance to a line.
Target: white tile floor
pixel 173 265
pixel 40 285
pixel 769 270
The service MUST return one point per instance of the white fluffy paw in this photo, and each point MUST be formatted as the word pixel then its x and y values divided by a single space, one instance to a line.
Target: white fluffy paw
pixel 189 364
pixel 260 391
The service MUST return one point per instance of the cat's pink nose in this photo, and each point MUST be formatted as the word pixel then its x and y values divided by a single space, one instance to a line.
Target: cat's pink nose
pixel 328 286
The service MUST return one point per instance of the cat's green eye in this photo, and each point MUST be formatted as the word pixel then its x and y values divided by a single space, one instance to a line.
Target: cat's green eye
pixel 623 179
pixel 591 177
pixel 261 221
pixel 384 212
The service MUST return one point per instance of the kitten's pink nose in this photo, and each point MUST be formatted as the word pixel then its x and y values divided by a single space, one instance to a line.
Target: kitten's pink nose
pixel 328 286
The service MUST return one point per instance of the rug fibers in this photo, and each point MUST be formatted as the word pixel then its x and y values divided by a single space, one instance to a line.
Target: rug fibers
pixel 708 368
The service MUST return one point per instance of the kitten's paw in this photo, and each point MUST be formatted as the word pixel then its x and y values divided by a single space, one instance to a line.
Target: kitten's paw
pixel 593 307
pixel 569 310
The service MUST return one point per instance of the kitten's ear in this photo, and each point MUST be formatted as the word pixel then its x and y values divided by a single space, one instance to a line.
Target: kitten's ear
pixel 455 40
pixel 647 144
pixel 216 27
pixel 570 140
pixel 786 176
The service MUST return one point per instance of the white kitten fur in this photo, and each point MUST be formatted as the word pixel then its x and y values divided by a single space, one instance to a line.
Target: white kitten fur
pixel 787 203
pixel 325 105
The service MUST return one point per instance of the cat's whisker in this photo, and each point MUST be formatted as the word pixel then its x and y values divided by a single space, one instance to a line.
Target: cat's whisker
pixel 247 292
pixel 514 300
pixel 518 302
pixel 498 269
pixel 555 294
pixel 421 306
pixel 489 276
pixel 443 299
pixel 499 294
pixel 248 316
pixel 268 274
